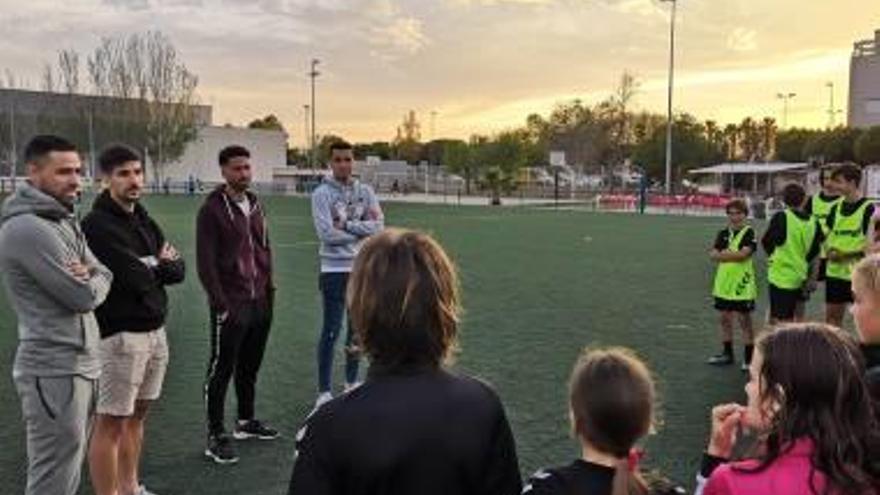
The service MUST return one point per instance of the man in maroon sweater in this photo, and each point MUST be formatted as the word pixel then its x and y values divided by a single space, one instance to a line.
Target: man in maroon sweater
pixel 235 267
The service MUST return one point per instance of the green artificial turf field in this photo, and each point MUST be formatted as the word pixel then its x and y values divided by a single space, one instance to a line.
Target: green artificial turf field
pixel 538 286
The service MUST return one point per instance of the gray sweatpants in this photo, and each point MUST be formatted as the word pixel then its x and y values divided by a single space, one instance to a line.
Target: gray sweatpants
pixel 58 416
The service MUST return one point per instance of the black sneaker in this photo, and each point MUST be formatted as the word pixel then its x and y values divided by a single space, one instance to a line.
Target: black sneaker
pixel 720 360
pixel 221 450
pixel 254 428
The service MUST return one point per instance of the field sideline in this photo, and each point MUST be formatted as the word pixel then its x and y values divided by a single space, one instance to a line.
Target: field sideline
pixel 538 285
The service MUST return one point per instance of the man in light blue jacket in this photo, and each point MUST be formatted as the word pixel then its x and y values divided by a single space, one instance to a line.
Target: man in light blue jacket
pixel 345 212
pixel 54 283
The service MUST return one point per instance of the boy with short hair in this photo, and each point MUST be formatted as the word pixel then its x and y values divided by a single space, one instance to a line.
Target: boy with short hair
pixel 735 287
pixel 792 242
pixel 848 224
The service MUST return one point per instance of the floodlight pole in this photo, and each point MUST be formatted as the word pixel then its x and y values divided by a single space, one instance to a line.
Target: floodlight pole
pixel 314 75
pixel 669 97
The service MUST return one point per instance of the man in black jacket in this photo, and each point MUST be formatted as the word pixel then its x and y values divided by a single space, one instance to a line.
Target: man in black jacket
pixel 235 267
pixel 133 350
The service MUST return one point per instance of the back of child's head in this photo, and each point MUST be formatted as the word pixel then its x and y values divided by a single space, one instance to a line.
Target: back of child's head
pixel 611 395
pixel 737 205
pixel 793 195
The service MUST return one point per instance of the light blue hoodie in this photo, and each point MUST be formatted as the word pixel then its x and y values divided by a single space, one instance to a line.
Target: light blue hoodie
pixel 344 215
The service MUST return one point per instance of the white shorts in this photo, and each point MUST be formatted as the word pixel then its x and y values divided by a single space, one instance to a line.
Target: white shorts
pixel 133 367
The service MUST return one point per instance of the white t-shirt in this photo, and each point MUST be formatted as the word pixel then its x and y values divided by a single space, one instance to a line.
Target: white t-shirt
pixel 245 205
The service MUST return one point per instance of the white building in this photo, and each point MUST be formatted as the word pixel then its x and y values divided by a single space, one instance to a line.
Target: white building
pixel 200 160
pixel 864 83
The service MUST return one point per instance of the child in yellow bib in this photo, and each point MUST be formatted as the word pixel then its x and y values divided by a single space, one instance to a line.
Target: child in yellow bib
pixel 848 223
pixel 735 288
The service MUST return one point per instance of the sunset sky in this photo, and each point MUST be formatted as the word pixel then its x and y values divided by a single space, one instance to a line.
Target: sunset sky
pixel 482 65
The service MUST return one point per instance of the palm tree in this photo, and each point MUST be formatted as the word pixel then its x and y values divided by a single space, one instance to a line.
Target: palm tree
pixel 750 139
pixel 731 138
pixel 768 137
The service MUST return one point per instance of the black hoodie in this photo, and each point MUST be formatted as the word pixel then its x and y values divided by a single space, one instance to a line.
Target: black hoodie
pixel 128 243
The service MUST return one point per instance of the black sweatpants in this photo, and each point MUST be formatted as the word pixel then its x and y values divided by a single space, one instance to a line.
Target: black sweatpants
pixel 237 346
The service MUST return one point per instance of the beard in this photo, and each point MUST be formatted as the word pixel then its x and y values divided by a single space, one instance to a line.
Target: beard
pixel 240 186
pixel 67 197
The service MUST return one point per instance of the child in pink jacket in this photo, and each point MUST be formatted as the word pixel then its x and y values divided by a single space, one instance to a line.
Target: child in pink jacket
pixel 811 410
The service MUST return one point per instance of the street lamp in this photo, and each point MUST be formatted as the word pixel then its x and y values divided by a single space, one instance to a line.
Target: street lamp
pixel 306 129
pixel 314 75
pixel 669 97
pixel 832 112
pixel 785 97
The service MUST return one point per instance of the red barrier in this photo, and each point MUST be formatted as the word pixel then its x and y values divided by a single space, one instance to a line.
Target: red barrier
pixel 668 201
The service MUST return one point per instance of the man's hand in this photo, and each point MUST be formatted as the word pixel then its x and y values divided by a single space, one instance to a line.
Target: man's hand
pixel 714 254
pixel 374 213
pixel 79 271
pixel 834 255
pixel 168 253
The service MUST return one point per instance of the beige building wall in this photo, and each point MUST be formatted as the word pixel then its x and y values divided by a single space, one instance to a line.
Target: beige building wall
pixel 268 150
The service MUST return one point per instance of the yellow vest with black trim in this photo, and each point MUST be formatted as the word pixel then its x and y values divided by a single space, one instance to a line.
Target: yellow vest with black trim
pixel 821 209
pixel 847 236
pixel 787 266
pixel 735 280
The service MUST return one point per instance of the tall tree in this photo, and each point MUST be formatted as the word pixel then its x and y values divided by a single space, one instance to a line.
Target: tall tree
pixel 867 148
pixel 407 144
pixel 750 139
pixel 768 130
pixel 269 122
pixel 152 95
pixel 791 143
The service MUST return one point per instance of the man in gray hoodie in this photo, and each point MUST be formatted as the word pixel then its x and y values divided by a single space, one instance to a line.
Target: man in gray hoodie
pixel 345 212
pixel 54 283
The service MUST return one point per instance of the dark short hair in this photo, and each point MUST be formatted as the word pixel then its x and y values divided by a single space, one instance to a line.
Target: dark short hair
pixel 849 172
pixel 340 145
pixel 737 204
pixel 40 146
pixel 793 195
pixel 234 151
pixel 116 156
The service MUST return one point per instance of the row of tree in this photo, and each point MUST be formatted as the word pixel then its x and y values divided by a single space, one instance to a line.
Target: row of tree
pixel 133 89
pixel 607 134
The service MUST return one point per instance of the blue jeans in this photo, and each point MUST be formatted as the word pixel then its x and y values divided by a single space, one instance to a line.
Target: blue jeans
pixel 333 287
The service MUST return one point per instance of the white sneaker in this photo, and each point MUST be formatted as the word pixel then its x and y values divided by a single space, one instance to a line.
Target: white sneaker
pixel 142 490
pixel 351 386
pixel 323 398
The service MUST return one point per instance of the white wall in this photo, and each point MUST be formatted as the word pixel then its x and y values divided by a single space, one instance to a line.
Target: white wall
pixel 864 86
pixel 268 149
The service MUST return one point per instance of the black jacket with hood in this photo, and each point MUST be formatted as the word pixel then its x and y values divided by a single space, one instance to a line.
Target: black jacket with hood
pixel 129 243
